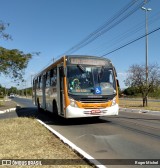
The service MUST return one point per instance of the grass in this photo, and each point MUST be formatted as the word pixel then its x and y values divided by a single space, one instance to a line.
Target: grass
pixel 1 103
pixel 26 138
pixel 7 104
pixel 128 103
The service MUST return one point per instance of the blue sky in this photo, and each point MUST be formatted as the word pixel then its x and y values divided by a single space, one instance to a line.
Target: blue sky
pixel 51 27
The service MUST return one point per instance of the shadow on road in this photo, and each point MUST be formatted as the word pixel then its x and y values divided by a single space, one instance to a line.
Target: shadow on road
pixel 52 119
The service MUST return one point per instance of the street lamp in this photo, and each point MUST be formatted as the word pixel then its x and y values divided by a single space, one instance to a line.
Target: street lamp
pixel 146 27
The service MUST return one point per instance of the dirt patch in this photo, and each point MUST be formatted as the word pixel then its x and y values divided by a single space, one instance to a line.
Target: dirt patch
pixel 7 104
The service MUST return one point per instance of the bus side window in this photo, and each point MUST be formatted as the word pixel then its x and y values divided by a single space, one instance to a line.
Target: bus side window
pixel 36 83
pixel 33 83
pixel 47 79
pixel 53 75
pixel 39 82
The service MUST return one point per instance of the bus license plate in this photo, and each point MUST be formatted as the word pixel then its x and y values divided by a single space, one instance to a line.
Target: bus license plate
pixel 95 111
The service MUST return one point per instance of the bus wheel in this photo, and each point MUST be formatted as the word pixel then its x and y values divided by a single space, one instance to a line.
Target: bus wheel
pixel 38 105
pixel 55 110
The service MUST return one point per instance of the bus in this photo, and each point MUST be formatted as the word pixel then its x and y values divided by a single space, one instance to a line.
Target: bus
pixel 76 86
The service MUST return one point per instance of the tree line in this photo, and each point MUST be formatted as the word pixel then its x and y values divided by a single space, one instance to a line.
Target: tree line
pixel 134 92
pixel 19 92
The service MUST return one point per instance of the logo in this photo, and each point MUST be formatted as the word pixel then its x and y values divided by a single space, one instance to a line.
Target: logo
pixel 6 162
pixel 98 90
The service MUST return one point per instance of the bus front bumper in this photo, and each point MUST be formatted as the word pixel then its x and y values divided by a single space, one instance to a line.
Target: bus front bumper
pixel 73 112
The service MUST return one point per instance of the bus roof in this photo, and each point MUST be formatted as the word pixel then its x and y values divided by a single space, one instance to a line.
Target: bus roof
pixel 88 60
pixel 87 56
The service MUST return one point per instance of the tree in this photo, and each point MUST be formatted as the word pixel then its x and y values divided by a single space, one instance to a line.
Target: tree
pixel 12 90
pixel 12 62
pixel 137 78
pixel 2 90
pixel 132 91
pixel 3 27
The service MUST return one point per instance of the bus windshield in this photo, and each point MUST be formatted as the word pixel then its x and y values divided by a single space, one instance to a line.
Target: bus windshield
pixel 90 80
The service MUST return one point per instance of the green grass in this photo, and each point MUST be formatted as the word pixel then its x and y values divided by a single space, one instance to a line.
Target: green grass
pixel 155 106
pixel 7 104
pixel 26 138
pixel 1 103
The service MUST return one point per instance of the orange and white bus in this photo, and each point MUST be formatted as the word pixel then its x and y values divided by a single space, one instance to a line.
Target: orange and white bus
pixel 78 86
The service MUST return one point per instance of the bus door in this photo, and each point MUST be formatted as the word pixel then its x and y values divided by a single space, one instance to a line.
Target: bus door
pixel 43 91
pixel 60 90
pixel 34 87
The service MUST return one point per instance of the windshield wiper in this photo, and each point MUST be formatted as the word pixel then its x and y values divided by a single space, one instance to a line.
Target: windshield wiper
pixel 82 69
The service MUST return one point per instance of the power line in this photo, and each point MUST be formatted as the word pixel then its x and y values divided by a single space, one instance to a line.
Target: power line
pixel 106 26
pixel 93 35
pixel 109 28
pixel 126 34
pixel 118 14
pixel 103 29
pixel 131 42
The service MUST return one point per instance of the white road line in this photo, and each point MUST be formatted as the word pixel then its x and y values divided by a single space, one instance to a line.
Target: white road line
pixel 73 146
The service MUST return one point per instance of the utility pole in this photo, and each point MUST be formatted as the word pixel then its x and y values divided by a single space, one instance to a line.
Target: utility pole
pixel 146 57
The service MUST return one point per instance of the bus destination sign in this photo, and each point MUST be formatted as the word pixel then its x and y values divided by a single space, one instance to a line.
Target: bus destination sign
pixel 88 61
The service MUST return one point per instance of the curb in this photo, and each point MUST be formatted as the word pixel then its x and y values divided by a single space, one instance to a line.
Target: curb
pixel 73 146
pixel 138 110
pixel 7 110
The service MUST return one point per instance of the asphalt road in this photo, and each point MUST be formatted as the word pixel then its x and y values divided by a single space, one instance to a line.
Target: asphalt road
pixel 127 136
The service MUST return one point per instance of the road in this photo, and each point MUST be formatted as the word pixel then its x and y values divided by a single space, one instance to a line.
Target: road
pixel 127 136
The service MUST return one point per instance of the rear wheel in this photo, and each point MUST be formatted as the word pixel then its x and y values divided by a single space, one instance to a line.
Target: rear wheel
pixel 55 110
pixel 38 105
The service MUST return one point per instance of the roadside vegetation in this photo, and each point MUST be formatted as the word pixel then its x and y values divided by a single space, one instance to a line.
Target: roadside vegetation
pixel 137 104
pixel 131 98
pixel 6 104
pixel 133 92
pixel 1 103
pixel 142 82
pixel 26 138
pixel 7 91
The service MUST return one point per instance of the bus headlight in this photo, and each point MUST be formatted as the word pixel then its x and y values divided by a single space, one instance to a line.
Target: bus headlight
pixel 114 101
pixel 73 102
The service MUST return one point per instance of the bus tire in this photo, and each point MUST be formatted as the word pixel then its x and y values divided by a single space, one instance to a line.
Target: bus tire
pixel 55 110
pixel 38 105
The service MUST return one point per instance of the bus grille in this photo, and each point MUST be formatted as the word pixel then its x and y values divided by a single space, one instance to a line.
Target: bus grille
pixel 93 100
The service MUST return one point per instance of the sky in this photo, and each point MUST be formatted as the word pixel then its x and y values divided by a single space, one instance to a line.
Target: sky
pixel 52 27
